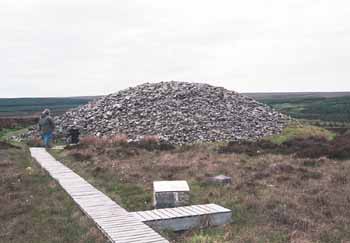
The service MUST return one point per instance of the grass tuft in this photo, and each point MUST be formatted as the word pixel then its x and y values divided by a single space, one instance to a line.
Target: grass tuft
pixel 301 132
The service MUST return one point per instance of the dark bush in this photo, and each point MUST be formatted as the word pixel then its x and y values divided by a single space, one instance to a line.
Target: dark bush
pixel 34 142
pixel 81 155
pixel 152 145
pixel 6 122
pixel 248 147
pixel 312 147
pixel 121 151
pixel 4 145
pixel 340 147
pixel 311 163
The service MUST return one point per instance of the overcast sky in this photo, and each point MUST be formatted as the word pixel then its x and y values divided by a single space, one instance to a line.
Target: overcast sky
pixel 93 47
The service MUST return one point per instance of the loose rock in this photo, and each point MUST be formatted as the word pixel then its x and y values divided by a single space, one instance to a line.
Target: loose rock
pixel 177 112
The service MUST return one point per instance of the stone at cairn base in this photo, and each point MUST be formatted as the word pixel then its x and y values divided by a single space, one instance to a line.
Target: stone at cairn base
pixel 170 194
pixel 221 179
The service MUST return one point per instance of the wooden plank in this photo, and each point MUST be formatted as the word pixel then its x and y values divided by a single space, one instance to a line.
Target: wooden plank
pixel 197 216
pixel 144 215
pixel 91 196
pixel 159 214
pixel 118 224
pixel 102 213
pixel 188 212
pixel 118 219
pixel 218 207
pixel 197 209
pixel 164 212
pixel 189 208
pixel 114 221
pixel 151 215
pixel 130 237
pixel 189 217
pixel 169 212
pixel 179 212
pixel 138 217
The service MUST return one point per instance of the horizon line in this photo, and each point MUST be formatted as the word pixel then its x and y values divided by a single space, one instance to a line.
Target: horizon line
pixel 250 92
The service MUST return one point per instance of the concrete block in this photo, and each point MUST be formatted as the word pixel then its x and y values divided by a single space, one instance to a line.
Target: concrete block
pixel 168 194
pixel 190 223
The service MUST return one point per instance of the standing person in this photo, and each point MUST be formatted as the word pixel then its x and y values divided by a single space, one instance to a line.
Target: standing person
pixel 46 127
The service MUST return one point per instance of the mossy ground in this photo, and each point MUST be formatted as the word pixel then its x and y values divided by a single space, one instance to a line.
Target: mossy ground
pixel 301 131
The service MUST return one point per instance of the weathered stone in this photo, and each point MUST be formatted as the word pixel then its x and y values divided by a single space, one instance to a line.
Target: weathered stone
pixel 220 179
pixel 169 194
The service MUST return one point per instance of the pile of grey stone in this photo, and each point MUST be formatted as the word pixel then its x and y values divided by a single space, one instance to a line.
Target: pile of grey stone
pixel 177 112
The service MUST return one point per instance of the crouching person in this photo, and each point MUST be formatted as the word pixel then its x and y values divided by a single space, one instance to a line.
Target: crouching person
pixel 46 127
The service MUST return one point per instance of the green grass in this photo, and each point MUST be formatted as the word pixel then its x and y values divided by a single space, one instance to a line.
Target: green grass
pixel 6 133
pixel 131 196
pixel 34 208
pixel 305 131
pixel 336 235
pixel 213 235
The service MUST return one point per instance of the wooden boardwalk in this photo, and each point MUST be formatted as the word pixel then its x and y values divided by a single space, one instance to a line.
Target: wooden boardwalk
pixel 185 218
pixel 114 221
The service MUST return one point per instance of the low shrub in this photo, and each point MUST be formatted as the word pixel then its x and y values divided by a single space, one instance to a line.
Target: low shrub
pixel 308 147
pixel 82 155
pixel 119 145
pixel 34 142
pixel 248 147
pixel 17 122
pixel 312 147
pixel 150 139
pixel 151 146
pixel 151 143
pixel 5 145
pixel 118 139
pixel 340 147
pixel 103 142
pixel 88 140
pixel 340 178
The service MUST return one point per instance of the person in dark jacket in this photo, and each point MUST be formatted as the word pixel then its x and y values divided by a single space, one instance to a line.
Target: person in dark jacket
pixel 46 128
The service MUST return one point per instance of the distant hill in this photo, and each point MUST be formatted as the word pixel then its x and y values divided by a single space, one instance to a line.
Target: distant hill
pixel 328 106
pixel 14 107
pixel 297 95
pixel 332 106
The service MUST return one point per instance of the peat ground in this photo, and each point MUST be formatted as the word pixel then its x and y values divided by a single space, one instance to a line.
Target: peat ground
pixel 276 196
pixel 33 207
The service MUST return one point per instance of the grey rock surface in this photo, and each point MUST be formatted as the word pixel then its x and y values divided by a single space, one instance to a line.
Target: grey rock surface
pixel 220 179
pixel 177 112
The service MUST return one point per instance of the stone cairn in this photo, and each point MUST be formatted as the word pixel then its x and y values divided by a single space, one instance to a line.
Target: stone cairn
pixel 177 112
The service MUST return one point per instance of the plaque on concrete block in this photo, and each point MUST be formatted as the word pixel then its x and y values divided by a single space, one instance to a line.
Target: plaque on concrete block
pixel 170 194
